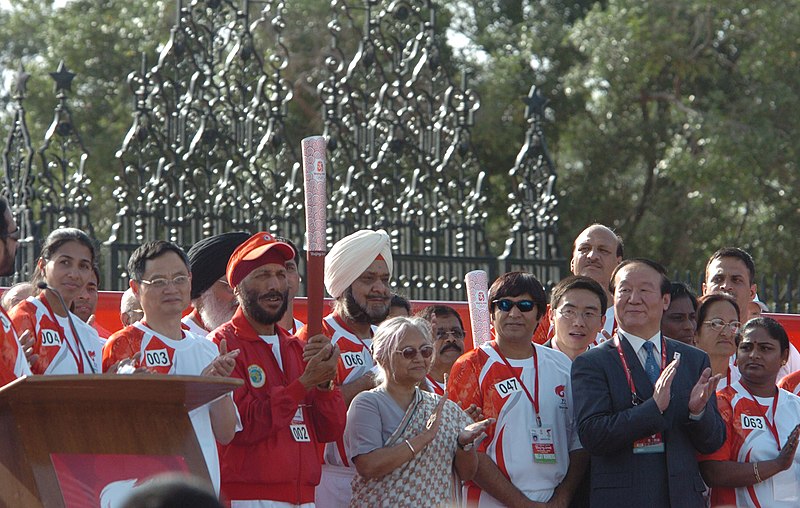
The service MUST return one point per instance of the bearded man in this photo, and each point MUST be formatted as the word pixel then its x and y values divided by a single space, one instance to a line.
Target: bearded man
pixel 357 273
pixel 213 302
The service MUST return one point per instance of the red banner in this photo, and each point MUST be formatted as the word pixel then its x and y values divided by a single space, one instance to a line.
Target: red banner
pixel 104 481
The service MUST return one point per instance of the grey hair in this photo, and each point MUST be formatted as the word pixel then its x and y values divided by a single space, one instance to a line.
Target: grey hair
pixel 388 336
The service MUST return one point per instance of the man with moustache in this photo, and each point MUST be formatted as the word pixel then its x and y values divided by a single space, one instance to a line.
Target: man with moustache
pixel 732 271
pixel 644 403
pixel 13 363
pixel 212 298
pixel 357 272
pixel 597 250
pixel 448 336
pixel 287 405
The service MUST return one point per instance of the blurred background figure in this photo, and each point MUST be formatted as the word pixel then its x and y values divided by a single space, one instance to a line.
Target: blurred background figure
pixel 399 306
pixel 172 491
pixel 448 343
pixel 130 310
pixel 679 321
pixel 717 327
pixel 213 301
pixel 15 294
pixel 288 322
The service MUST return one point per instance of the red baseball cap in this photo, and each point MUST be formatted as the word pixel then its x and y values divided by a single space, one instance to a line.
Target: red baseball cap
pixel 260 249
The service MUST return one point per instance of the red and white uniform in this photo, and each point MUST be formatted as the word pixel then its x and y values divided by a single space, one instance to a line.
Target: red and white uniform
pixel 193 323
pixel 13 363
pixel 188 356
pixel 730 377
pixel 266 460
pixel 355 361
pixel 791 383
pixel 59 352
pixel 481 377
pixel 750 439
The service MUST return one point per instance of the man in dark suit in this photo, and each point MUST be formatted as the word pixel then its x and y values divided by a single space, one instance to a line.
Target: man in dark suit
pixel 642 419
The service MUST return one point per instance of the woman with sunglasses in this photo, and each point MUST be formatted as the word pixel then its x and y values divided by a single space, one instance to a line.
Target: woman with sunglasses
pixel 62 343
pixel 757 466
pixel 717 327
pixel 405 442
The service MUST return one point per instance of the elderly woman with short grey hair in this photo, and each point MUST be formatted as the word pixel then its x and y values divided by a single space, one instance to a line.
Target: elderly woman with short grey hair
pixel 406 443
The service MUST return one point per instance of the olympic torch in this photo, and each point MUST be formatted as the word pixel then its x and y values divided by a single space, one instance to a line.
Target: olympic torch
pixel 314 168
pixel 478 299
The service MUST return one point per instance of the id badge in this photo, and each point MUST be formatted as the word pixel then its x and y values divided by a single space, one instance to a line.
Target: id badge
pixel 650 444
pixel 784 486
pixel 544 448
pixel 300 432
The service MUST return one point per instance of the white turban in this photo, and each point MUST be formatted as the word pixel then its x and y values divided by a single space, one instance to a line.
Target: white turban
pixel 352 255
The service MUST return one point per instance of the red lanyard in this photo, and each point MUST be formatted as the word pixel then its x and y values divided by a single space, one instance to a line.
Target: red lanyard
pixel 634 396
pixel 437 387
pixel 78 357
pixel 535 398
pixel 341 323
pixel 770 424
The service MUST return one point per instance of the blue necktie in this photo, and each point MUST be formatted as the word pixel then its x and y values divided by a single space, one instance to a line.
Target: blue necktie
pixel 650 365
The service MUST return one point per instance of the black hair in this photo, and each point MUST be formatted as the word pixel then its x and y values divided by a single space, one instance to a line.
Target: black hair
pixel 296 251
pixel 740 254
pixel 516 284
pixel 706 301
pixel 439 311
pixel 400 301
pixel 152 250
pixel 578 282
pixel 665 286
pixel 680 290
pixel 3 224
pixel 773 328
pixel 54 241
pixel 172 491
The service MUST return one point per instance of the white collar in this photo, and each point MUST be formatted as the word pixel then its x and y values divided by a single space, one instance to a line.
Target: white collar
pixel 637 342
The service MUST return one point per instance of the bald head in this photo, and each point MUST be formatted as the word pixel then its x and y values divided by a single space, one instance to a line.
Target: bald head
pixel 595 254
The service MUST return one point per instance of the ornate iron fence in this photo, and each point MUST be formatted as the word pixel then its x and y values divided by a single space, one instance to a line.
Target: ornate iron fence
pixel 208 149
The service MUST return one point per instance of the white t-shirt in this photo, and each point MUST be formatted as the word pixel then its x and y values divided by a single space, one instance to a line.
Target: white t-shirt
pixel 188 356
pixel 510 443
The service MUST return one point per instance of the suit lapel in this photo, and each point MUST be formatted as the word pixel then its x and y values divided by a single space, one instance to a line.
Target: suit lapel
pixel 644 388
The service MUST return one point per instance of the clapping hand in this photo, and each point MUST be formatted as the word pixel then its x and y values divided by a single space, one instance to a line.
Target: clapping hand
pixel 224 363
pixel 474 433
pixel 786 456
pixel 702 391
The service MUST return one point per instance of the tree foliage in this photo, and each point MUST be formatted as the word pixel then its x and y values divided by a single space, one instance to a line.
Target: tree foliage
pixel 671 121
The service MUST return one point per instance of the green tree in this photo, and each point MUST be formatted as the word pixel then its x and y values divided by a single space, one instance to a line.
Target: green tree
pixel 671 121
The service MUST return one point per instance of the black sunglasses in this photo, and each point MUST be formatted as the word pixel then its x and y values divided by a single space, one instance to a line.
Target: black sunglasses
pixel 507 305
pixel 409 353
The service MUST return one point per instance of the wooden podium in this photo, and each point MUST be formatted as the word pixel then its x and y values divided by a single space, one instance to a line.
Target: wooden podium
pixel 95 415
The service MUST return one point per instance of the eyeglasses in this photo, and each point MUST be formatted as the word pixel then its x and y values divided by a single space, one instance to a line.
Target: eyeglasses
pixel 718 325
pixel 456 333
pixel 507 305
pixel 409 353
pixel 179 280
pixel 224 282
pixel 571 314
pixel 13 235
